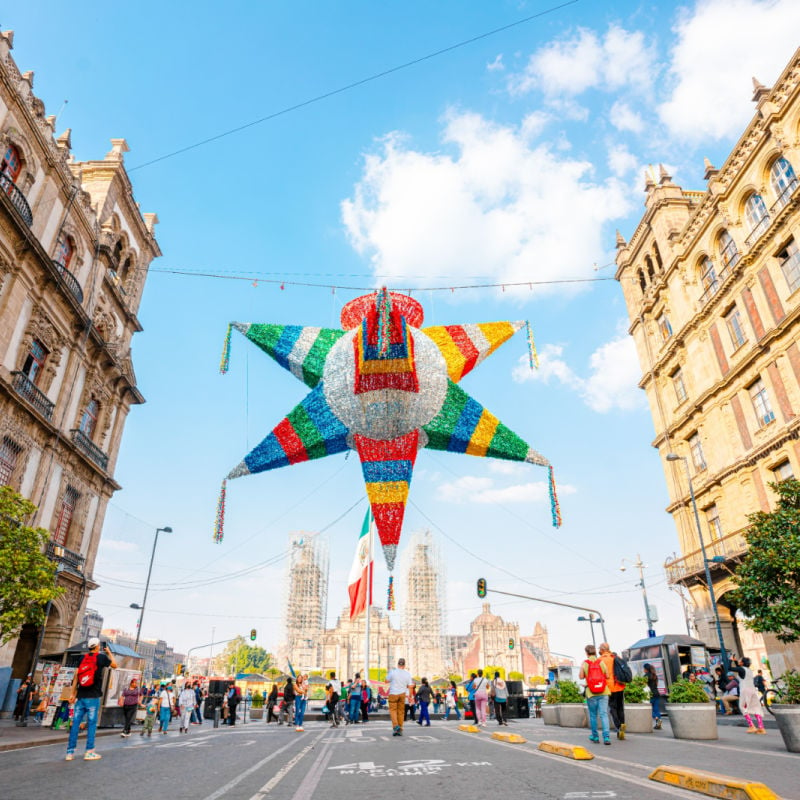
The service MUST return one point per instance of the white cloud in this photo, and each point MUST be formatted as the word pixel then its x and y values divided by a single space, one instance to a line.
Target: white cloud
pixel 497 64
pixel 624 118
pixel 585 61
pixel 612 382
pixel 621 161
pixel 500 206
pixel 473 489
pixel 720 46
pixel 507 467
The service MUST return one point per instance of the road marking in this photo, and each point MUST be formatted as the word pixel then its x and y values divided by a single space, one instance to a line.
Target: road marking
pixel 223 790
pixel 280 774
pixel 407 767
pixel 306 789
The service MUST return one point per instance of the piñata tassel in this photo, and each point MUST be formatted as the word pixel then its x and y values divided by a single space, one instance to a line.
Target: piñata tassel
pixel 554 507
pixel 225 361
pixel 390 595
pixel 533 356
pixel 219 525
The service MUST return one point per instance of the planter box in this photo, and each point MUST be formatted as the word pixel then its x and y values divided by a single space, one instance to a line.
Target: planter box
pixel 638 718
pixel 550 713
pixel 788 719
pixel 693 720
pixel 256 713
pixel 573 715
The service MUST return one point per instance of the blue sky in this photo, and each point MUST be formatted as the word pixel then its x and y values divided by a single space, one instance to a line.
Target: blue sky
pixel 512 159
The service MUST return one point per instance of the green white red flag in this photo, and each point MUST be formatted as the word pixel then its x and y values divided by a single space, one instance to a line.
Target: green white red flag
pixel 359 583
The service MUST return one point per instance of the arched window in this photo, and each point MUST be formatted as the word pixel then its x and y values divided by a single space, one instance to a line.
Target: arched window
pixel 651 273
pixel 708 275
pixel 755 212
pixel 34 361
pixel 12 163
pixel 657 254
pixel 125 270
pixel 728 252
pixel 89 418
pixel 9 455
pixel 783 181
pixel 642 281
pixel 64 251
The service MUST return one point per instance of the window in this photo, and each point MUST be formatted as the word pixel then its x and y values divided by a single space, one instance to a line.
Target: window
pixel 783 181
pixel 37 355
pixel 760 398
pixel 64 251
pixel 9 453
pixel 679 385
pixel 728 253
pixel 65 515
pixel 642 281
pixel 696 449
pixel 651 273
pixel 657 255
pixel 89 418
pixel 708 276
pixel 664 327
pixel 755 212
pixel 734 322
pixel 12 163
pixel 789 259
pixel 714 522
pixel 783 471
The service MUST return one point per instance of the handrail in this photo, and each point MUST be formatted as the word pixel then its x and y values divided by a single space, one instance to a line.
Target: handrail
pixel 26 389
pixel 728 546
pixel 89 448
pixel 69 280
pixel 17 198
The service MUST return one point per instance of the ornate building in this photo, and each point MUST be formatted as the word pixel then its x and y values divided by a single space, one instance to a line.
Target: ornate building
pixel 74 255
pixel 711 282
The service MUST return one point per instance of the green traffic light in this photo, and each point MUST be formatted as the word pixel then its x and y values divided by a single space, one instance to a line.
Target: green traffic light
pixel 481 587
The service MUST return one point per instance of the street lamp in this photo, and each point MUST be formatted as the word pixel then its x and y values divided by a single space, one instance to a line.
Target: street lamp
pixel 147 587
pixel 593 620
pixel 722 652
pixel 648 614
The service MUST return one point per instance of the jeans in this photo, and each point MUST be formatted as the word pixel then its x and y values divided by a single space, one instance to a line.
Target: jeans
pixel 299 711
pixel 84 707
pixel 598 707
pixel 448 709
pixel 164 716
pixel 655 702
pixel 424 717
pixel 353 707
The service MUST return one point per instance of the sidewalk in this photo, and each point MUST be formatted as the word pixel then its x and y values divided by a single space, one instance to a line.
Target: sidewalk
pixel 34 735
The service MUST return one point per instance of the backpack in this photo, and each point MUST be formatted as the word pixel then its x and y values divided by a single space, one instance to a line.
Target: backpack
pixel 87 670
pixel 622 672
pixel 595 679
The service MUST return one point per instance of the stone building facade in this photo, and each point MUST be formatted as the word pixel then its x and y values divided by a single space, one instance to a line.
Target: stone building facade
pixel 74 256
pixel 711 281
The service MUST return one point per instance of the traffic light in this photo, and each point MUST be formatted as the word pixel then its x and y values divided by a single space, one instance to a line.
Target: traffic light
pixel 510 644
pixel 252 634
pixel 179 669
pixel 481 587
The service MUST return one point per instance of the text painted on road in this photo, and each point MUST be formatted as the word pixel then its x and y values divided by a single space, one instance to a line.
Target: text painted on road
pixel 416 766
pixel 588 795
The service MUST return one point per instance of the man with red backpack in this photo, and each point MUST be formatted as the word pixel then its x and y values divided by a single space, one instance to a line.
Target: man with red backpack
pixel 87 689
pixel 596 675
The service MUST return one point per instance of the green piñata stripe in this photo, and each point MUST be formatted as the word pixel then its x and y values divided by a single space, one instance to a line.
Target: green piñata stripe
pixel 315 360
pixel 440 429
pixel 506 444
pixel 307 431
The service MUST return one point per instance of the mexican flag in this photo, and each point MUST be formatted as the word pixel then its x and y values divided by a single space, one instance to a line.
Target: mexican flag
pixel 360 579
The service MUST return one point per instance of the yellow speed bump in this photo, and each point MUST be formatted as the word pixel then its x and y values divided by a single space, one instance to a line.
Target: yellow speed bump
pixel 712 784
pixel 469 728
pixel 567 750
pixel 514 738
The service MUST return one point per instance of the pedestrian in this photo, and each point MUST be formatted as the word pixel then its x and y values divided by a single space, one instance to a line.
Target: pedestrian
pixel 596 675
pixel 616 700
pixel 655 697
pixel 301 694
pixel 272 701
pixel 187 700
pixel 411 702
pixel 87 689
pixel 437 701
pixel 470 687
pixel 399 682
pixel 331 703
pixel 197 715
pixel 761 685
pixel 129 700
pixel 354 700
pixel 451 701
pixel 166 705
pixel 481 689
pixel 23 693
pixel 232 698
pixel 366 698
pixel 424 696
pixel 151 708
pixel 731 694
pixel 749 699
pixel 499 692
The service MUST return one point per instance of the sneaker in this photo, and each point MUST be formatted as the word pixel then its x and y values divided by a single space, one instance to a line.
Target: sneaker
pixel 594 739
pixel 299 728
pixel 657 726
pixel 69 757
pixel 752 729
pixel 760 730
pixel 606 741
pixel 621 731
pixel 92 756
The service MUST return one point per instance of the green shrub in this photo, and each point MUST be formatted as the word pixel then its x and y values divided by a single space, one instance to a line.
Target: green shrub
pixel 684 691
pixel 570 692
pixel 788 688
pixel 553 696
pixel 636 690
pixel 257 700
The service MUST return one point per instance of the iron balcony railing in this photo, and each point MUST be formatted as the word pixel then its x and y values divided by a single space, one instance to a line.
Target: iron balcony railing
pixel 760 228
pixel 26 389
pixel 17 198
pixel 784 197
pixel 714 285
pixel 729 546
pixel 69 281
pixel 67 558
pixel 89 448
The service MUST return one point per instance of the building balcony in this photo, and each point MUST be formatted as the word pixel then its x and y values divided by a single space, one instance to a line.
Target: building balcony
pixel 690 568
pixel 69 281
pixel 26 389
pixel 89 448
pixel 17 198
pixel 715 285
pixel 784 197
pixel 67 558
pixel 759 229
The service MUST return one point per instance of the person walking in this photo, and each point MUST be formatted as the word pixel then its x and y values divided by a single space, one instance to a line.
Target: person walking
pixel 616 700
pixel 594 672
pixel 232 699
pixel 470 687
pixel 332 702
pixel 287 705
pixel 481 688
pixel 749 699
pixel 151 709
pixel 187 702
pixel 23 694
pixel 451 701
pixel 301 694
pixel 354 700
pixel 165 708
pixel 499 692
pixel 87 689
pixel 399 682
pixel 197 716
pixel 655 697
pixel 424 696
pixel 366 697
pixel 130 705
pixel 272 701
pixel 411 702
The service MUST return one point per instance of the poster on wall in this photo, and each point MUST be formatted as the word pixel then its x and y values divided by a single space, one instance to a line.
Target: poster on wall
pixel 697 656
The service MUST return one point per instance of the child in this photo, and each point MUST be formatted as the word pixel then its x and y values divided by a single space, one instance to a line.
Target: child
pixel 150 717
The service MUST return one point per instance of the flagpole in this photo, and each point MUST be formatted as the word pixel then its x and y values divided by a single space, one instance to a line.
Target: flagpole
pixel 369 598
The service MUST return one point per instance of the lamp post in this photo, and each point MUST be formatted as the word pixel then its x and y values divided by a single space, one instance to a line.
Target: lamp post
pixel 592 620
pixel 638 565
pixel 722 652
pixel 147 586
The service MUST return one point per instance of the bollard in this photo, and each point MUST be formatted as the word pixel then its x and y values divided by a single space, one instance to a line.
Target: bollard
pixel 216 717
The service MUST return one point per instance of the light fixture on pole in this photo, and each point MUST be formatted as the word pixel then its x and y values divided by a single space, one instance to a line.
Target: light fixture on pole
pixel 722 652
pixel 593 620
pixel 651 618
pixel 147 587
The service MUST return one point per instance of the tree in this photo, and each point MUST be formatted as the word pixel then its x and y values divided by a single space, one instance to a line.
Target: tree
pixel 27 575
pixel 238 656
pixel 515 676
pixel 768 579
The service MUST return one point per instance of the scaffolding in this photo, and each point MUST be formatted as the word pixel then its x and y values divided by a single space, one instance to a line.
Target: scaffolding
pixel 306 600
pixel 423 605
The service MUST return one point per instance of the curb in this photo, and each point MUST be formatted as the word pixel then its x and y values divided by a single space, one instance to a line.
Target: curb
pixel 513 738
pixel 21 744
pixel 712 784
pixel 469 728
pixel 574 751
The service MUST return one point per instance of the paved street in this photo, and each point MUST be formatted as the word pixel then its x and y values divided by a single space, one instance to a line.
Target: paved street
pixel 255 761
